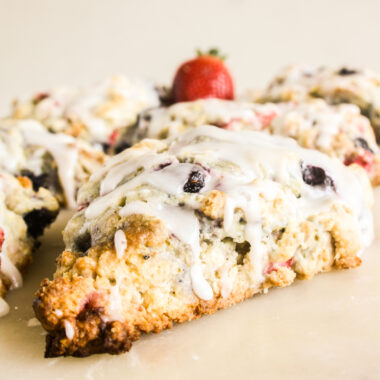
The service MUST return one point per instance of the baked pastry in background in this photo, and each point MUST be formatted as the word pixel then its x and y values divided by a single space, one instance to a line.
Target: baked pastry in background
pixel 54 161
pixel 169 230
pixel 339 131
pixel 96 114
pixel 24 213
pixel 335 85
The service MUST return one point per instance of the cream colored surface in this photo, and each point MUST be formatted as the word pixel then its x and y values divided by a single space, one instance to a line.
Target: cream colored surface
pixel 327 328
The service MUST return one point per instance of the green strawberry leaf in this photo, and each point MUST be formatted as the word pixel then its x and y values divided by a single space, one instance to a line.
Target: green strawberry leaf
pixel 214 52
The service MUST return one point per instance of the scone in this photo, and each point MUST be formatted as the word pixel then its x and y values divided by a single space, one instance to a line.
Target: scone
pixel 24 213
pixel 54 161
pixel 340 130
pixel 95 114
pixel 341 85
pixel 173 229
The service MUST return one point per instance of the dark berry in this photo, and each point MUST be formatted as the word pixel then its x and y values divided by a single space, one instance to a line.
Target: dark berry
pixel 360 142
pixel 83 242
pixel 48 180
pixel 37 220
pixel 165 95
pixel 121 146
pixel 106 147
pixel 195 182
pixel 162 166
pixel 344 71
pixel 315 176
pixel 242 249
pixel 147 117
pixel 146 257
pixel 41 180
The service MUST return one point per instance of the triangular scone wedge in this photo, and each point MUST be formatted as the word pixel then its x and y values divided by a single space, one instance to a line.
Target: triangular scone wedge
pixel 170 230
pixel 360 86
pixel 24 214
pixel 55 161
pixel 96 113
pixel 340 130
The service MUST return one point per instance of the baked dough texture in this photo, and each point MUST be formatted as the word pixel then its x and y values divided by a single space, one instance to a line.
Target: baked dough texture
pixel 96 113
pixel 54 161
pixel 337 130
pixel 24 213
pixel 170 230
pixel 360 86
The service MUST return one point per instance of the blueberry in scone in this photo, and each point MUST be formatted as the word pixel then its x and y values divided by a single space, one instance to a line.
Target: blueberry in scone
pixel 96 114
pixel 54 161
pixel 172 229
pixel 336 86
pixel 24 213
pixel 338 130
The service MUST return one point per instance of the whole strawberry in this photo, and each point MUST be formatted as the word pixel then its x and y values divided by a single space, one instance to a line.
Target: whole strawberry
pixel 205 76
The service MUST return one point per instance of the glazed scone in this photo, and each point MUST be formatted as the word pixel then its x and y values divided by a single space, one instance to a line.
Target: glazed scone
pixel 173 229
pixel 341 85
pixel 95 114
pixel 54 161
pixel 339 131
pixel 24 213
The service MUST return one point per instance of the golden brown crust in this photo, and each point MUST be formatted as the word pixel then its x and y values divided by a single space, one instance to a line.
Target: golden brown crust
pixel 77 301
pixel 375 179
pixel 281 277
pixel 141 231
pixel 25 182
pixel 80 293
pixel 213 204
pixel 81 307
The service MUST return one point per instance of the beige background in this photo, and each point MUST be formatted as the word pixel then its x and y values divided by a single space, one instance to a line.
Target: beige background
pixel 48 42
pixel 324 329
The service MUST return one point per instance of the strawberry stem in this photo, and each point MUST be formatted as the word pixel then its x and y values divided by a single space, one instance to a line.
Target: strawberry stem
pixel 214 52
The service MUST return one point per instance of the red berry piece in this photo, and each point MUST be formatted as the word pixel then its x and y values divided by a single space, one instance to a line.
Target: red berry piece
pixel 2 237
pixel 113 136
pixel 365 160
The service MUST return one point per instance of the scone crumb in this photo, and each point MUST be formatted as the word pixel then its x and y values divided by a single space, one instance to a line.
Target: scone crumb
pixel 145 231
pixel 25 182
pixel 281 277
pixel 213 204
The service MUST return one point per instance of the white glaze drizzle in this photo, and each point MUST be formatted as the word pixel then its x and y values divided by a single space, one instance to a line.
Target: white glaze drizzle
pixel 16 135
pixel 262 163
pixel 101 108
pixel 174 119
pixel 10 270
pixel 4 307
pixel 200 286
pixel 111 104
pixel 69 330
pixel 115 310
pixel 300 81
pixel 63 148
pixel 120 242
pixel 314 118
pixel 226 284
pixel 58 313
pixel 169 179
pixel 7 267
pixel 185 226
